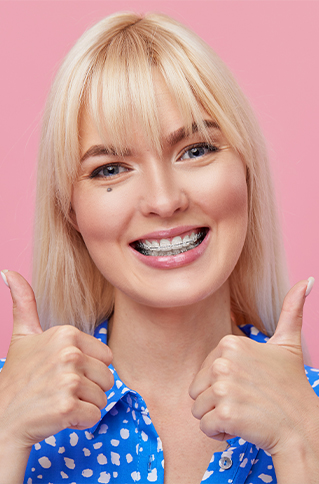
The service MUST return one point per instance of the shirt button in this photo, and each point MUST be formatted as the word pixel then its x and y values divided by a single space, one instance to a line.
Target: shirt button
pixel 225 463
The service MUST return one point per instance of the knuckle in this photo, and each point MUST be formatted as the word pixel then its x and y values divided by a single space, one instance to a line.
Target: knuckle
pixel 67 406
pixel 221 389
pixel 299 317
pixel 230 343
pixel 25 303
pixel 24 297
pixel 225 413
pixel 71 383
pixel 292 308
pixel 67 333
pixel 71 355
pixel 74 383
pixel 220 367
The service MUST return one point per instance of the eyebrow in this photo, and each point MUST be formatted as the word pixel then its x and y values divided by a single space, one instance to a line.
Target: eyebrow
pixel 100 150
pixel 181 133
pixel 172 139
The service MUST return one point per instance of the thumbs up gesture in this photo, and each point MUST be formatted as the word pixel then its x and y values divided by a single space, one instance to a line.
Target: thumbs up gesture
pixel 260 392
pixel 51 380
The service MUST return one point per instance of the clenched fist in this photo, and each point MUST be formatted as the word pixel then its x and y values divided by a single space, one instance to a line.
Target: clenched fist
pixel 51 380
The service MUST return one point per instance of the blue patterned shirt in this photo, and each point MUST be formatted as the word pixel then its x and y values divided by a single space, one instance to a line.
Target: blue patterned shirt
pixel 124 447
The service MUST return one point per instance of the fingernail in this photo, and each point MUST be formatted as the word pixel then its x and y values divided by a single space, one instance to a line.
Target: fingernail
pixel 310 284
pixel 4 276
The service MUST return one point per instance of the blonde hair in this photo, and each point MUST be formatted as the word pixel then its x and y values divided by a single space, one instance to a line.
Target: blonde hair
pixel 109 72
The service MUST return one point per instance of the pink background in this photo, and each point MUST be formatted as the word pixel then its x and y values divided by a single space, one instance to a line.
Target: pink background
pixel 272 48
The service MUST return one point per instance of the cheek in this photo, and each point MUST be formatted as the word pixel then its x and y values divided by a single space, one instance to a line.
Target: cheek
pixel 233 198
pixel 229 215
pixel 227 201
pixel 225 197
pixel 100 215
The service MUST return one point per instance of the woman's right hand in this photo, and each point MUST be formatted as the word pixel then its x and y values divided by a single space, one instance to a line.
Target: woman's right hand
pixel 51 380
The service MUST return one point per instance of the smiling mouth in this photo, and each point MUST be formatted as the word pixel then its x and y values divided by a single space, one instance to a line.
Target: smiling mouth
pixel 173 246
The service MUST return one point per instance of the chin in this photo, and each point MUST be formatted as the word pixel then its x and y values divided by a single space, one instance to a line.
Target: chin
pixel 174 296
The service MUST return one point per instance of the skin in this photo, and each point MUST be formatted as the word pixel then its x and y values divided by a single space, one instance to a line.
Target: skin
pixel 181 345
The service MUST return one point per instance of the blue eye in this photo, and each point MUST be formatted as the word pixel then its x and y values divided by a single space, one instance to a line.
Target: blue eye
pixel 108 171
pixel 197 151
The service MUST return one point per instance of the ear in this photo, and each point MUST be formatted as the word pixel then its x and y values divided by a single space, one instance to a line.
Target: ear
pixel 72 218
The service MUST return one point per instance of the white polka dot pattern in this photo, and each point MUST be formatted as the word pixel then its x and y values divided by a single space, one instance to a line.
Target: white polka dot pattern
pixel 124 446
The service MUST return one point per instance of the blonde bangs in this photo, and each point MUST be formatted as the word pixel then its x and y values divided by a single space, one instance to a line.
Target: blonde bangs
pixel 117 102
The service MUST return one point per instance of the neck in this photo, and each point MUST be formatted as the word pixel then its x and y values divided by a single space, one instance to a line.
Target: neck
pixel 165 347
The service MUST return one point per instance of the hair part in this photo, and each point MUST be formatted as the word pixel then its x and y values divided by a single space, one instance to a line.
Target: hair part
pixel 103 74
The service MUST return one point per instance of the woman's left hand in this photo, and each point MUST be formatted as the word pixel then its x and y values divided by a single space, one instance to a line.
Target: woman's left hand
pixel 260 392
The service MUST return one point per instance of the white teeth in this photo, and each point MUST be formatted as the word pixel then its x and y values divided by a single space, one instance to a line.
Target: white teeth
pixel 186 239
pixel 177 240
pixel 164 243
pixel 174 246
pixel 167 247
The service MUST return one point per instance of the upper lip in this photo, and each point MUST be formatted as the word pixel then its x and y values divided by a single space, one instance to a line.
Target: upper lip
pixel 168 233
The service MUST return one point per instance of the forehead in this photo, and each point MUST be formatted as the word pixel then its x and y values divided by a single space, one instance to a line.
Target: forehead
pixel 171 125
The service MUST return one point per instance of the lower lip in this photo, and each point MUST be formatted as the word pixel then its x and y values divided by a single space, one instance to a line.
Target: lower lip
pixel 174 261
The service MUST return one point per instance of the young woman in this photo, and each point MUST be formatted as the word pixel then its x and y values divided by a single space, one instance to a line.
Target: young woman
pixel 156 231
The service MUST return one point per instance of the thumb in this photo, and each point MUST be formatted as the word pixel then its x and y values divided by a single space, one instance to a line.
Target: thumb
pixel 288 331
pixel 25 315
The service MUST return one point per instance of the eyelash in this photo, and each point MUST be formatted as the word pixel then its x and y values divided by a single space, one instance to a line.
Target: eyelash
pixel 96 173
pixel 209 147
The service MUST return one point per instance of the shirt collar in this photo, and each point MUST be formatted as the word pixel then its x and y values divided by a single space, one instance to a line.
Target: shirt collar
pixel 119 390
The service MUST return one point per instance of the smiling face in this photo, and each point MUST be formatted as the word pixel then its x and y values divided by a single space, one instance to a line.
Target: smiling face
pixel 172 227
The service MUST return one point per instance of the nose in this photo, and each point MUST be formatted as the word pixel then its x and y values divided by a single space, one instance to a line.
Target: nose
pixel 163 193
